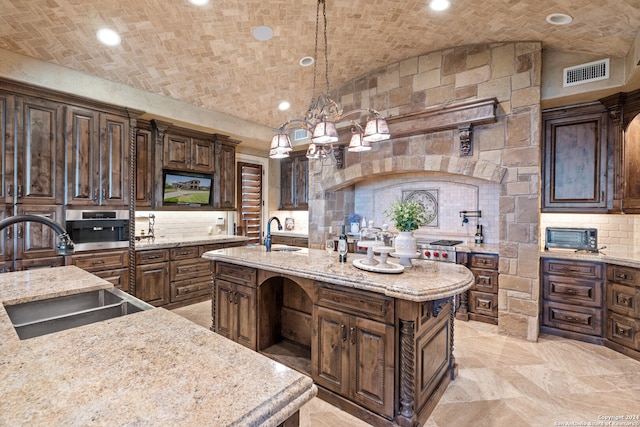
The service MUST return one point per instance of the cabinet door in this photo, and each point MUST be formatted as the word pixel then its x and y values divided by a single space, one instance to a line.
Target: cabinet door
pixel 226 172
pixel 144 168
pixel 330 350
pixel 177 152
pixel 286 184
pixel 114 160
pixel 575 160
pixel 152 283
pixel 301 175
pixel 202 156
pixel 225 308
pixel 36 240
pixel 7 186
pixel 371 365
pixel 6 242
pixel 244 300
pixel 82 148
pixel 40 152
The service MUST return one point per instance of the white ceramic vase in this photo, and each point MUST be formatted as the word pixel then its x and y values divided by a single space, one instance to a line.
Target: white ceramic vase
pixel 405 243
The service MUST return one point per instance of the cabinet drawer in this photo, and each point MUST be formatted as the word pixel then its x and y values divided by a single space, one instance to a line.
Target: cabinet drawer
pixel 585 320
pixel 483 303
pixel 151 257
pixel 485 280
pixel 585 270
pixel 573 291
pixel 623 330
pixel 236 273
pixel 212 247
pixel 185 252
pixel 102 260
pixel 623 275
pixel 623 299
pixel 118 278
pixel 191 288
pixel 484 261
pixel 189 268
pixel 371 306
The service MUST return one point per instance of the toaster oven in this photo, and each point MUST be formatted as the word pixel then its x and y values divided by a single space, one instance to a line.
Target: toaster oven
pixel 579 239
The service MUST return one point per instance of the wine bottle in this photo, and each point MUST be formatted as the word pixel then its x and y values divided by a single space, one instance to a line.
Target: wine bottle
pixel 479 237
pixel 342 246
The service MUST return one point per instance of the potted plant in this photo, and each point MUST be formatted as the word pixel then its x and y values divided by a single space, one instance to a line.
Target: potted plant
pixel 407 217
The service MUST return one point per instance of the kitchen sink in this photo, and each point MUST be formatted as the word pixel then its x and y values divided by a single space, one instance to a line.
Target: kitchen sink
pixel 285 248
pixel 36 318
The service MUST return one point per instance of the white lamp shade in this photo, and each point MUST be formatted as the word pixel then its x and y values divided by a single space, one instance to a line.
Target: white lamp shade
pixel 278 153
pixel 357 144
pixel 376 129
pixel 324 132
pixel 281 141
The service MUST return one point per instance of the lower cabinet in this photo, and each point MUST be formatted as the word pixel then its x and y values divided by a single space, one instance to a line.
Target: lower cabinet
pixel 353 354
pixel 572 299
pixel 112 265
pixel 623 310
pixel 480 302
pixel 190 276
pixel 152 276
pixel 236 313
pixel 290 241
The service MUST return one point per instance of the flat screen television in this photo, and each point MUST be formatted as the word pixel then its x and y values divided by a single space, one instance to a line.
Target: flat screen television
pixel 186 189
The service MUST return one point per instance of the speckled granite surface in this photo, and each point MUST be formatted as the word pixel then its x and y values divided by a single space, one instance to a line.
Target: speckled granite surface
pixel 605 255
pixel 163 242
pixel 427 280
pixel 146 369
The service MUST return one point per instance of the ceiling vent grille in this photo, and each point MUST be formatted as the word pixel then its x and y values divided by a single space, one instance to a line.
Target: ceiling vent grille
pixel 586 73
pixel 300 134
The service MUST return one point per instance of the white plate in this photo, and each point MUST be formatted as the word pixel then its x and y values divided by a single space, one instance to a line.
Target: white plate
pixel 388 267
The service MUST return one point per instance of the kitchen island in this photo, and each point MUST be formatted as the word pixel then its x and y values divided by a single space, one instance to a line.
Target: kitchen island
pixel 379 346
pixel 147 368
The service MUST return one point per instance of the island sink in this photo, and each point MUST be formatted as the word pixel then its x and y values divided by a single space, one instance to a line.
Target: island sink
pixel 36 318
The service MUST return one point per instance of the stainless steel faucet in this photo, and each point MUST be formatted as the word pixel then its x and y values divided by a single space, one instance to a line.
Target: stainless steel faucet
pixel 267 240
pixel 65 246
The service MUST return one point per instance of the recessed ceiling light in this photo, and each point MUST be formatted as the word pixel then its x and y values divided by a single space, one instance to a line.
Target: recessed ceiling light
pixel 559 19
pixel 306 61
pixel 284 105
pixel 439 5
pixel 199 2
pixel 108 37
pixel 262 33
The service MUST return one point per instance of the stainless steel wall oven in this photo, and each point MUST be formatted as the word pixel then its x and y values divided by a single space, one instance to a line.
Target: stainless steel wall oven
pixel 98 229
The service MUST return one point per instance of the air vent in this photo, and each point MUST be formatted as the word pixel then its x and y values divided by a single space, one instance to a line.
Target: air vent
pixel 585 73
pixel 300 134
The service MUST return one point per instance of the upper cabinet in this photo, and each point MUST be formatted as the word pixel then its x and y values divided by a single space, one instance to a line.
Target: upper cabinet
pixel 187 152
pixel 97 158
pixel 574 159
pixel 225 177
pixel 7 108
pixel 624 110
pixel 294 174
pixel 40 150
pixel 144 149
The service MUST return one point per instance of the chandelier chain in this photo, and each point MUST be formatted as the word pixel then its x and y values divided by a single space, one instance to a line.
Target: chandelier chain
pixel 326 47
pixel 315 52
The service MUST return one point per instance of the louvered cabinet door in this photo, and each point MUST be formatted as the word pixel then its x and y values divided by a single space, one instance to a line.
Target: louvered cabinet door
pixel 250 200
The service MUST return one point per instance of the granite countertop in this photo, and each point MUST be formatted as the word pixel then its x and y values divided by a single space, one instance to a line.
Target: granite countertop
pixel 606 256
pixel 427 280
pixel 174 242
pixel 148 368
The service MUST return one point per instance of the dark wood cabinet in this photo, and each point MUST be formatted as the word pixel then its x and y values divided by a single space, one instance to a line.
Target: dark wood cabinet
pixel 97 158
pixel 40 152
pixel 352 353
pixel 302 242
pixel 572 299
pixel 36 240
pixel 144 171
pixel 623 310
pixel 190 275
pixel 188 152
pixel 152 276
pixel 112 265
pixel 225 177
pixel 294 174
pixel 7 111
pixel 480 302
pixel 575 159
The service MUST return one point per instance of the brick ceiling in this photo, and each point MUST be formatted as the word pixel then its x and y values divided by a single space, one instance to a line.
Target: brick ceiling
pixel 208 57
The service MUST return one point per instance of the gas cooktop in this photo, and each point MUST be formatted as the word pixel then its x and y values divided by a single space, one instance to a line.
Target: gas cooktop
pixel 446 242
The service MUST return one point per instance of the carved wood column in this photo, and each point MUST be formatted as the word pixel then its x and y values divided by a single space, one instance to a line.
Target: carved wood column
pixel 407 368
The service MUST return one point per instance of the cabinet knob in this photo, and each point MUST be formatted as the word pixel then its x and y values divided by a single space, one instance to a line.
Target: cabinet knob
pixel 623 276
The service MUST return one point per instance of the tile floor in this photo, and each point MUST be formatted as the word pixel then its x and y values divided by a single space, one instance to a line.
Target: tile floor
pixel 508 382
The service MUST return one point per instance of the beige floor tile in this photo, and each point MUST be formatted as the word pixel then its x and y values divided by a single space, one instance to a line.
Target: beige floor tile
pixel 504 381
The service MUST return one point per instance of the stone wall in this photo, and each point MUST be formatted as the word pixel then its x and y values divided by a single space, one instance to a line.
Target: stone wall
pixel 506 152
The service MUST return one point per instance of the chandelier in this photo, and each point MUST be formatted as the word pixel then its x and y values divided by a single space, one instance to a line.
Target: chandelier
pixel 324 113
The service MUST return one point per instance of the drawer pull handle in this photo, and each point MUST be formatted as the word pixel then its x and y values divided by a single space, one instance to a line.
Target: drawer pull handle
pixel 154 257
pixel 571 319
pixel 343 331
pixel 623 276
pixel 570 291
pixel 352 331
